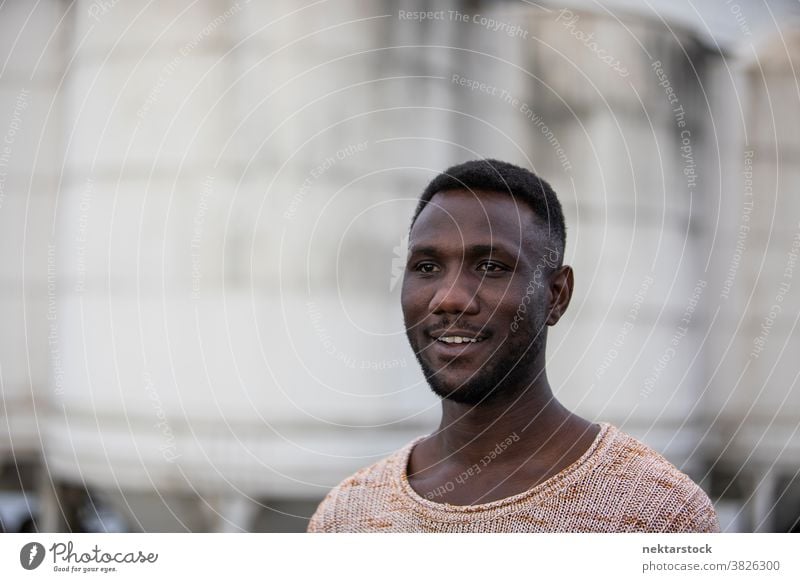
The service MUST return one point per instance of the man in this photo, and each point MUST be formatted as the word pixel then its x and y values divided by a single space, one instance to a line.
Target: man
pixel 484 279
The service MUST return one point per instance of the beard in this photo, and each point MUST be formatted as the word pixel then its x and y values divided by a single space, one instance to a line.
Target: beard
pixel 505 376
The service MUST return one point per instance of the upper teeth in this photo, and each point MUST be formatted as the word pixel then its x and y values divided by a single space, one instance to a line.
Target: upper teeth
pixel 457 339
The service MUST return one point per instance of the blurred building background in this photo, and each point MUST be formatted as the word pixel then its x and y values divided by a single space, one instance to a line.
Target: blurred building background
pixel 202 217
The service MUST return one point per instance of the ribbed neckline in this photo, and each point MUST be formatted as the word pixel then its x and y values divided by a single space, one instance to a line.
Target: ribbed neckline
pixel 602 441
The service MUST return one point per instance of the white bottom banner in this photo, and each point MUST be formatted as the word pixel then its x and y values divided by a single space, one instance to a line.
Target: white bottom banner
pixel 399 557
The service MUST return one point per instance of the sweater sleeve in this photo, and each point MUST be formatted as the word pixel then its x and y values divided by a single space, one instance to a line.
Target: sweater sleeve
pixel 705 520
pixel 322 521
pixel 699 515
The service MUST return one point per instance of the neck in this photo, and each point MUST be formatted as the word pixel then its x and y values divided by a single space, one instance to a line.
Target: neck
pixel 531 416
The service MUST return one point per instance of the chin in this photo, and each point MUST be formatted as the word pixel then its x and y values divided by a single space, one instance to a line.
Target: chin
pixel 463 395
pixel 475 390
pixel 488 384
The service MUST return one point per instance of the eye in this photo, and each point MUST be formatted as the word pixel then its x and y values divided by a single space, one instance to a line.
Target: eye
pixel 491 267
pixel 426 267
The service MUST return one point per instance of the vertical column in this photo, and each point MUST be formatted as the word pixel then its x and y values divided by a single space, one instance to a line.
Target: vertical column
pixel 617 126
pixel 32 42
pixel 229 513
pixel 763 500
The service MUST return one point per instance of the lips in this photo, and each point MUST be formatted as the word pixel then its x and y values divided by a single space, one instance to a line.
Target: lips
pixel 456 342
pixel 452 332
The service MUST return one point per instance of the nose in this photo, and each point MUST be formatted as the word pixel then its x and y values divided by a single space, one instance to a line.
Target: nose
pixel 455 295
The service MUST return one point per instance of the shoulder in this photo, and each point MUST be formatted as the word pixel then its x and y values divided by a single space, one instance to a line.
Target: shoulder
pixel 358 496
pixel 653 494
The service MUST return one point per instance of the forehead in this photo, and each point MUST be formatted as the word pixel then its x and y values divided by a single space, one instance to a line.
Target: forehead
pixel 478 216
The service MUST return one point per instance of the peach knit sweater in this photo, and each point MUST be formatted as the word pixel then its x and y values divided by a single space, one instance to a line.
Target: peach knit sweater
pixel 618 485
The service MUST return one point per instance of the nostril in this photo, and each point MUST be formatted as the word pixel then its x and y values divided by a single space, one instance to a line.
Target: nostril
pixel 454 299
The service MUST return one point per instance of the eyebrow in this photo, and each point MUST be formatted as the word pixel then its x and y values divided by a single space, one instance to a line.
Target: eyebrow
pixel 482 249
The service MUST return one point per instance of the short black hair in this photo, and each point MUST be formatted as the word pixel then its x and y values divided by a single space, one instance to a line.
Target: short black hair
pixel 498 176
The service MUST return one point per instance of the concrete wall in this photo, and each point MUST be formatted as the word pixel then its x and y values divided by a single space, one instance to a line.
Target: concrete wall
pixel 205 205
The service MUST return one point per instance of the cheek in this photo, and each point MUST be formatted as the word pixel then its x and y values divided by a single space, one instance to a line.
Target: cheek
pixel 412 301
pixel 507 299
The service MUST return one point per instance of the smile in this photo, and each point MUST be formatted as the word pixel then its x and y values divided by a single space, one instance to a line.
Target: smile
pixel 457 339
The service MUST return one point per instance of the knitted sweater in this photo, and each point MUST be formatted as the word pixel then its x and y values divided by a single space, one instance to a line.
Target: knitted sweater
pixel 618 485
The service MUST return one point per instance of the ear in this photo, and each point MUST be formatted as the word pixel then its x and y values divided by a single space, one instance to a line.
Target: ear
pixel 561 284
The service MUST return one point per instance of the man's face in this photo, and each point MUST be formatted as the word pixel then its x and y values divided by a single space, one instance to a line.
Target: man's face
pixel 476 294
